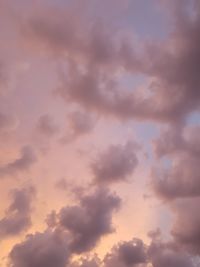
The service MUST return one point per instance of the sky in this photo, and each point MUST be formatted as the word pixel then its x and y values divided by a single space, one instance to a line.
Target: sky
pixel 99 133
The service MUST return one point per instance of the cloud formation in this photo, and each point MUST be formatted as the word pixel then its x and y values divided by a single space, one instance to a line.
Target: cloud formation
pixel 18 215
pixel 115 164
pixel 41 250
pixel 130 253
pixel 89 221
pixel 23 163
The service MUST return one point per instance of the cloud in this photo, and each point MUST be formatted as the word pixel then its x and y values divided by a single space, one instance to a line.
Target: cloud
pixel 179 184
pixel 41 250
pixel 125 254
pixel 166 254
pixel 93 57
pixel 80 123
pixel 18 215
pixel 115 164
pixel 51 248
pixel 185 229
pixel 181 178
pixel 23 163
pixel 89 221
pixel 172 65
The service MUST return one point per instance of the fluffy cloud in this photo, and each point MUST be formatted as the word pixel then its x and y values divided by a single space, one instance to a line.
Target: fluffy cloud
pixel 116 163
pixel 166 254
pixel 90 220
pixel 172 64
pixel 18 215
pixel 41 250
pixel 131 253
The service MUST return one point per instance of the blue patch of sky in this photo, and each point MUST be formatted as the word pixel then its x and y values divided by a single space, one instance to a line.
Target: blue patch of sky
pixel 147 19
pixel 130 82
pixel 194 119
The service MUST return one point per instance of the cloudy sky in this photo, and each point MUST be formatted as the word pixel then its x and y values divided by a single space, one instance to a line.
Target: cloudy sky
pixel 99 133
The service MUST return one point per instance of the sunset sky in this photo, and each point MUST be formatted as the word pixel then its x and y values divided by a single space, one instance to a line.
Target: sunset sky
pixel 100 133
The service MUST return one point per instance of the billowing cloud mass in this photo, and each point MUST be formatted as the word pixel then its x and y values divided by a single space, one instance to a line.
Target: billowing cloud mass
pixel 41 249
pixel 132 253
pixel 18 215
pixel 173 64
pixel 116 163
pixel 23 163
pixel 100 106
pixel 89 221
pixel 164 255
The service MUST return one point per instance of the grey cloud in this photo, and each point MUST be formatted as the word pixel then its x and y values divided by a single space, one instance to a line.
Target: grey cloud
pixel 171 64
pixel 126 254
pixel 166 254
pixel 116 163
pixel 48 249
pixel 90 220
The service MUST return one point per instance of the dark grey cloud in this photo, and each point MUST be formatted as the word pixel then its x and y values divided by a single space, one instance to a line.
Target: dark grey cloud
pixel 22 163
pixel 17 217
pixel 47 249
pixel 90 220
pixel 115 164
